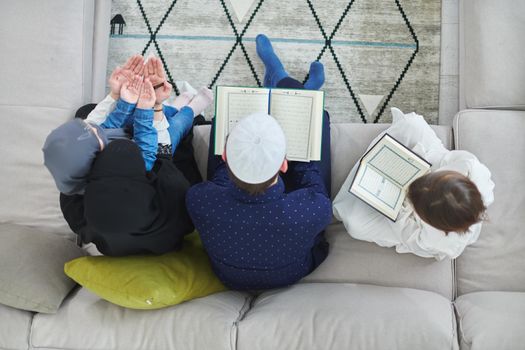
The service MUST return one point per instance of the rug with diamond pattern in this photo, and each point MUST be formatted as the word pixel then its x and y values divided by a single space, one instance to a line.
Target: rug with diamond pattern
pixel 376 53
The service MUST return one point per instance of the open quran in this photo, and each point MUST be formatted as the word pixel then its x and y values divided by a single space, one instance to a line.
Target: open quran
pixel 385 171
pixel 298 112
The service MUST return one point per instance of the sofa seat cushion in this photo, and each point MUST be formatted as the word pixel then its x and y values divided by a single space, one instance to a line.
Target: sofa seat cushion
pixel 496 261
pixel 14 328
pixel 491 320
pixel 348 316
pixel 353 261
pixel 87 322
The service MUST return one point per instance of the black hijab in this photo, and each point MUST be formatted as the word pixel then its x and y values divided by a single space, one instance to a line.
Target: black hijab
pixel 129 211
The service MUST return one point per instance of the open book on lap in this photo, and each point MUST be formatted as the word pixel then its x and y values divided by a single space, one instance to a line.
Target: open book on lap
pixel 298 112
pixel 384 174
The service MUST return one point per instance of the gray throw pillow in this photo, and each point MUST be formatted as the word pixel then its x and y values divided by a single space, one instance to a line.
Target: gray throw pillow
pixel 32 274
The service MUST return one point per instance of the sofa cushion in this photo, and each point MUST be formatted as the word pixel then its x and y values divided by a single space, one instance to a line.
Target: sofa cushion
pixel 87 322
pixel 497 260
pixel 14 328
pixel 46 75
pixel 491 320
pixel 149 281
pixel 348 316
pixel 353 261
pixel 491 54
pixel 348 143
pixel 32 268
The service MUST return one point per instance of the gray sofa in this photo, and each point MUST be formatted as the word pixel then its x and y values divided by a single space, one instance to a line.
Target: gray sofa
pixel 363 296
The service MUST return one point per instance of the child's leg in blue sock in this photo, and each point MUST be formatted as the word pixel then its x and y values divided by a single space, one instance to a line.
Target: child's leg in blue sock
pixel 274 70
pixel 315 76
pixel 180 125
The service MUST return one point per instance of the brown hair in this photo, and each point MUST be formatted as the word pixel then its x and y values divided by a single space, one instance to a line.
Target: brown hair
pixel 252 189
pixel 447 200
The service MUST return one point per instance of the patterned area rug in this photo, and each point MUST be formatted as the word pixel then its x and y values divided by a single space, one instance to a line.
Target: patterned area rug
pixel 377 53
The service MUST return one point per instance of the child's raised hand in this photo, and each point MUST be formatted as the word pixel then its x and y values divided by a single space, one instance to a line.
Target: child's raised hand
pixel 147 96
pixel 155 71
pixel 163 92
pixel 130 91
pixel 115 82
pixel 134 66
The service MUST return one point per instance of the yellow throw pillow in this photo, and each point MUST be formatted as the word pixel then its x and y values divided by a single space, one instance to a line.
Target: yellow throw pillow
pixel 148 281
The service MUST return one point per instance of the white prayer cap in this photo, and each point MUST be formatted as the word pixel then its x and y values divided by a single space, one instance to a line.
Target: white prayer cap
pixel 256 148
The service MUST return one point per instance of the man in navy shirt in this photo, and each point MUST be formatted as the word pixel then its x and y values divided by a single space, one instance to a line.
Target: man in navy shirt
pixel 260 217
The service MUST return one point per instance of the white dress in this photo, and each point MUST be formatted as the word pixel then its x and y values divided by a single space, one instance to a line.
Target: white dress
pixel 410 234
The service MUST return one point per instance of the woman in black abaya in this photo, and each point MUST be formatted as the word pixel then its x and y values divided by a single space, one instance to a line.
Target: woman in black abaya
pixel 126 210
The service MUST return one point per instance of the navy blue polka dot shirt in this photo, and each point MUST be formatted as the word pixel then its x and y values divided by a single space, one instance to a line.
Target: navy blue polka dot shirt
pixel 262 241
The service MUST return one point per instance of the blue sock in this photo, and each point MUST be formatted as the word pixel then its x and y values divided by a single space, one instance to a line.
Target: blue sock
pixel 315 77
pixel 274 70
